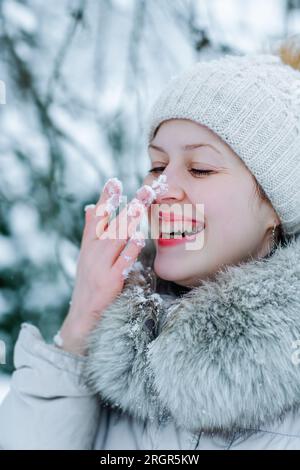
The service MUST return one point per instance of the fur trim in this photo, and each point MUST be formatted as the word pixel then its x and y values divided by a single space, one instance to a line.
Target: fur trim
pixel 221 359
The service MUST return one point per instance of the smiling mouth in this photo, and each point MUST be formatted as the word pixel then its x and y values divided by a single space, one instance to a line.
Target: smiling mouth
pixel 181 233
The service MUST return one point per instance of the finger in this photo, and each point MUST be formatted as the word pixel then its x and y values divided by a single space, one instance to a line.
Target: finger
pixel 91 221
pixel 89 208
pixel 135 212
pixel 146 194
pixel 124 263
pixel 108 202
pixel 89 212
pixel 123 226
pixel 118 241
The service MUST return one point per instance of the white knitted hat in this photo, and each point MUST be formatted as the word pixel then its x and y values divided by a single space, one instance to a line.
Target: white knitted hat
pixel 253 103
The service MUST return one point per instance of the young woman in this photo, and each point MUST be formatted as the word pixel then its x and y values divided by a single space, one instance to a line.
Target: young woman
pixel 195 348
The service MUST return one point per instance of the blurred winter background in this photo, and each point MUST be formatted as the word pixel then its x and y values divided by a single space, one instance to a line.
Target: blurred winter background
pixel 80 76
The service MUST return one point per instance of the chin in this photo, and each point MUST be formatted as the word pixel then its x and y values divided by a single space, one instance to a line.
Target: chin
pixel 170 271
pixel 166 271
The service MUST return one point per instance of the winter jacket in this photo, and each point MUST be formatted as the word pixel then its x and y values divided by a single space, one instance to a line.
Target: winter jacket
pixel 216 367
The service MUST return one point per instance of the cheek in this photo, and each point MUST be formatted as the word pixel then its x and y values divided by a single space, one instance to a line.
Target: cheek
pixel 227 207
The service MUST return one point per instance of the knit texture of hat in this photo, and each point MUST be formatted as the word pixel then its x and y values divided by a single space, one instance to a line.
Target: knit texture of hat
pixel 253 103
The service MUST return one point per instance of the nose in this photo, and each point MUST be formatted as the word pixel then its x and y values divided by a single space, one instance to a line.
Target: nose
pixel 174 191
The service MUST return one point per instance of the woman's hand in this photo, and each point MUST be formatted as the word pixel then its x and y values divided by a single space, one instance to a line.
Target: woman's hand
pixel 103 265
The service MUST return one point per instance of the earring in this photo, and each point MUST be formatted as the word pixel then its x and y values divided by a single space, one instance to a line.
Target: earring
pixel 273 237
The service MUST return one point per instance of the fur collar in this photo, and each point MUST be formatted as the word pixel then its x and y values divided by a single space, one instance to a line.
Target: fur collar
pixel 217 359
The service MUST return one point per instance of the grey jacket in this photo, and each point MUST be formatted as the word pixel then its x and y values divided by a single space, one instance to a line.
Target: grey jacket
pixel 217 367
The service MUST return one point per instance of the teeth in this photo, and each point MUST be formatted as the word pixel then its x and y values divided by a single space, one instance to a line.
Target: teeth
pixel 186 232
pixel 177 226
pixel 191 232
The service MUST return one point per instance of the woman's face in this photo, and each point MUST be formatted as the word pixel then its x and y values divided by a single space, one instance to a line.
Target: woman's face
pixel 236 220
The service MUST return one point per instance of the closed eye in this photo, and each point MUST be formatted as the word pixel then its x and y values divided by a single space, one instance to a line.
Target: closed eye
pixel 194 170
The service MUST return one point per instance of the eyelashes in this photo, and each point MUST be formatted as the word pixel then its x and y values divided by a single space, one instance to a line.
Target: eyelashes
pixel 193 170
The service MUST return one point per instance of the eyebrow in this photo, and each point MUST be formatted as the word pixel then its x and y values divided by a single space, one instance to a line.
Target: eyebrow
pixel 185 147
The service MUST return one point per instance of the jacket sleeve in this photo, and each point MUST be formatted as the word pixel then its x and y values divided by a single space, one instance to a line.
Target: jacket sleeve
pixel 49 405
